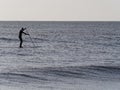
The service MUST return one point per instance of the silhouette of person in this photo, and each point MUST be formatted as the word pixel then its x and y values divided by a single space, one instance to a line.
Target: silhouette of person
pixel 20 36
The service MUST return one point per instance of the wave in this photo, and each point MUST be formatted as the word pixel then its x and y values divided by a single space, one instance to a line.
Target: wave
pixel 104 73
pixel 89 72
pixel 8 39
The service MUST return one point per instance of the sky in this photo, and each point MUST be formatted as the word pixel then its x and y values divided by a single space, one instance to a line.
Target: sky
pixel 60 10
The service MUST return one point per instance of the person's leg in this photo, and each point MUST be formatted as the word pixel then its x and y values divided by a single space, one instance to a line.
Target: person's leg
pixel 21 41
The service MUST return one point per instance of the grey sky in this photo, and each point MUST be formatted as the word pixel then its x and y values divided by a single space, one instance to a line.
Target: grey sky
pixel 60 10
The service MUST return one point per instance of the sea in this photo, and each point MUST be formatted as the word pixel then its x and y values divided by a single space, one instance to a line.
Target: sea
pixel 60 55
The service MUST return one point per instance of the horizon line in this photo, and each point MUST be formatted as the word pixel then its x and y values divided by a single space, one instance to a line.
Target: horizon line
pixel 58 21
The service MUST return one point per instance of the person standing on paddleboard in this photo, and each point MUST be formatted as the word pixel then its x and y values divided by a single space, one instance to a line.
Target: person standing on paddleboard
pixel 20 36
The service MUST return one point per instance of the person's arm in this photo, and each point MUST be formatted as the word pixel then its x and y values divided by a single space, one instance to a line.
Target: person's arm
pixel 25 33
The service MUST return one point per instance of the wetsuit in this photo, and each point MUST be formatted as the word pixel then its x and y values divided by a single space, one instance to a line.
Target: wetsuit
pixel 20 36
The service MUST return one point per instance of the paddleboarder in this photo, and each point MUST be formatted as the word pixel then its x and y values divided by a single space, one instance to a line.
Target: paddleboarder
pixel 20 36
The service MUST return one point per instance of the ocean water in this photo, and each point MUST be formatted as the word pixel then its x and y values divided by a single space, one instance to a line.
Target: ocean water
pixel 60 56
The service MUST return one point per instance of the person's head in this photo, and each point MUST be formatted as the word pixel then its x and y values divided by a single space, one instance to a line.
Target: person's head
pixel 23 29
